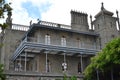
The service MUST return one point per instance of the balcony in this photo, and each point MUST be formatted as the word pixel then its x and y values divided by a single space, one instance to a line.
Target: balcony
pixel 30 47
pixel 31 44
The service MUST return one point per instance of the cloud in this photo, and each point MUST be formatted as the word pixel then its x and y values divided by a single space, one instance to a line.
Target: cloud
pixel 30 11
pixel 57 11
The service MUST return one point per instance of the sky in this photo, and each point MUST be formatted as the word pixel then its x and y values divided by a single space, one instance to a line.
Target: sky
pixel 57 11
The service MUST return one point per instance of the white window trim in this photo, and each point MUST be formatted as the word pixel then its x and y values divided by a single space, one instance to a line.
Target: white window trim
pixel 63 41
pixel 47 39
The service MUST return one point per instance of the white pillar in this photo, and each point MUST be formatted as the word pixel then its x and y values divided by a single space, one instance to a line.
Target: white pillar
pixel 20 58
pixel 46 61
pixel 15 65
pixel 64 57
pixel 25 61
pixel 20 63
pixel 81 59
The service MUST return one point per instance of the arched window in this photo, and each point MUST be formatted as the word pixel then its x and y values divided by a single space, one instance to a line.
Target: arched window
pixel 47 39
pixel 63 41
pixel 98 26
pixel 79 67
pixel 78 43
pixel 48 66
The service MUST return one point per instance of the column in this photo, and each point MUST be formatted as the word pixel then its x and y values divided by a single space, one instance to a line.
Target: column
pixel 15 65
pixel 46 60
pixel 81 59
pixel 64 57
pixel 64 64
pixel 20 67
pixel 38 62
pixel 25 65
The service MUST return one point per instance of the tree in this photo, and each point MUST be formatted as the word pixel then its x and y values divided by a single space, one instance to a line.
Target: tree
pixel 105 65
pixel 2 76
pixel 4 9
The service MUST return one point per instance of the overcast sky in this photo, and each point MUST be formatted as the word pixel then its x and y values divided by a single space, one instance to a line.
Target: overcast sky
pixel 57 11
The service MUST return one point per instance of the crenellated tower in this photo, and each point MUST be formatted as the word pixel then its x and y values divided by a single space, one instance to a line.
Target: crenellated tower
pixel 105 25
pixel 79 21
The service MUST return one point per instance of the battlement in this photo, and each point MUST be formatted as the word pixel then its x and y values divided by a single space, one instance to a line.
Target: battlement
pixel 79 21
pixel 78 13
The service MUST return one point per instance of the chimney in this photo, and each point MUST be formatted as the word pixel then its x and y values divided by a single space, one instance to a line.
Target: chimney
pixel 79 21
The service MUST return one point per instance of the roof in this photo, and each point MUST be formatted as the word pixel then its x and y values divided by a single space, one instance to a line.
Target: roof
pixel 103 11
pixel 57 27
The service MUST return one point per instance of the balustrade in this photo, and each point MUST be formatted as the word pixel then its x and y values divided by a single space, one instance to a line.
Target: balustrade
pixel 20 27
pixel 51 24
pixel 56 42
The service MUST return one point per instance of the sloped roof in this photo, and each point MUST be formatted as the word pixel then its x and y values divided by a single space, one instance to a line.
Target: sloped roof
pixel 103 11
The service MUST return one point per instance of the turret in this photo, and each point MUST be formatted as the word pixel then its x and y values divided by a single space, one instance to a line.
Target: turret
pixel 91 23
pixel 9 20
pixel 79 21
pixel 118 23
pixel 105 25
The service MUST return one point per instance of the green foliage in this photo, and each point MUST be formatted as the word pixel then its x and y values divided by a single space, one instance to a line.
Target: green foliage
pixel 4 8
pixel 71 78
pixel 2 76
pixel 104 60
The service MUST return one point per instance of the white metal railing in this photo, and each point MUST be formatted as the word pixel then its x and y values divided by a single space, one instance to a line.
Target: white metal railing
pixel 54 24
pixel 19 27
pixel 83 44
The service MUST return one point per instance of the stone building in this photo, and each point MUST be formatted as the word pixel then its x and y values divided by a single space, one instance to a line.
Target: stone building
pixel 48 51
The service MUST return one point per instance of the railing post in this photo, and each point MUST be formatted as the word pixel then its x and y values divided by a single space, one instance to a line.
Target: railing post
pixel 25 61
pixel 20 63
pixel 81 59
pixel 26 39
pixel 64 57
pixel 46 61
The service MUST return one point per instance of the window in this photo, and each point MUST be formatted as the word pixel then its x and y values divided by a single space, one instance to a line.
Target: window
pixel 111 24
pixel 112 36
pixel 63 41
pixel 35 65
pixel 38 38
pixel 78 43
pixel 98 26
pixel 79 68
pixel 48 66
pixel 47 39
